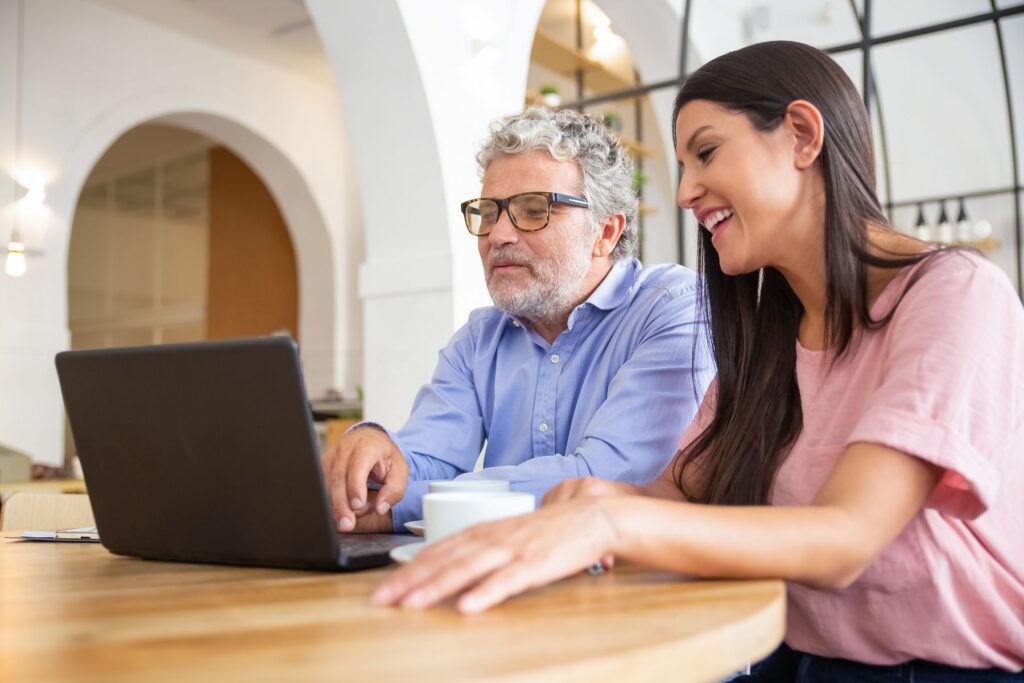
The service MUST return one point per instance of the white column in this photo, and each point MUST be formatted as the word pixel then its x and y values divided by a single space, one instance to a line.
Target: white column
pixel 418 92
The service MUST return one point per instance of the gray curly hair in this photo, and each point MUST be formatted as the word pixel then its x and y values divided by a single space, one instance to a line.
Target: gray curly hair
pixel 567 135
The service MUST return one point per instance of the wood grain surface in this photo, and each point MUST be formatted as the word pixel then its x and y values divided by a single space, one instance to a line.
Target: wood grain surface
pixel 74 612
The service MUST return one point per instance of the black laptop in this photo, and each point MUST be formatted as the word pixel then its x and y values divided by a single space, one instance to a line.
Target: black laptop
pixel 206 452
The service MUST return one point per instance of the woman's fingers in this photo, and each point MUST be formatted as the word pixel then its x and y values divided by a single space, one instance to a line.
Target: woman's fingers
pixel 454 561
pixel 456 577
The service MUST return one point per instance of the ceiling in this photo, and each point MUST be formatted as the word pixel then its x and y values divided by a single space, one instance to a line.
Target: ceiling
pixel 276 31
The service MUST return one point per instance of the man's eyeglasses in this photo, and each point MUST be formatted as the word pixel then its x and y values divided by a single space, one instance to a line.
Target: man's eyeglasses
pixel 528 211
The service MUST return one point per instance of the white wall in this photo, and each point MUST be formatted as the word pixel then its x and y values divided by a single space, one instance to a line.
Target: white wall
pixel 90 74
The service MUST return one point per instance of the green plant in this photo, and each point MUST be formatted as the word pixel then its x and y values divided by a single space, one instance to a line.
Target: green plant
pixel 613 121
pixel 548 89
pixel 639 179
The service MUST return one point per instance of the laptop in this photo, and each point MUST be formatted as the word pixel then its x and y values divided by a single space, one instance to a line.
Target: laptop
pixel 205 452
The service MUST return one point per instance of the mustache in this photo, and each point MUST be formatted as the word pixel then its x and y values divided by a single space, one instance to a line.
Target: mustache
pixel 508 257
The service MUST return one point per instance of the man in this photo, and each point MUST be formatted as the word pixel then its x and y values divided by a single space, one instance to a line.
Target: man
pixel 587 365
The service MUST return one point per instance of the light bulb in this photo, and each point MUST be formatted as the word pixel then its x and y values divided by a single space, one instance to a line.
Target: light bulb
pixel 15 266
pixel 982 230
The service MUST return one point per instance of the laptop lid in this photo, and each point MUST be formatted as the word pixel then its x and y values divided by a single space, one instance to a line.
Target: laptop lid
pixel 201 452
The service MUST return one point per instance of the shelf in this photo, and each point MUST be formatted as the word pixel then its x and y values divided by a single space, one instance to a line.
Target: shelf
pixel 986 246
pixel 555 55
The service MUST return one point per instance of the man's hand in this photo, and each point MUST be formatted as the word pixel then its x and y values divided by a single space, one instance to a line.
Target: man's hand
pixel 366 454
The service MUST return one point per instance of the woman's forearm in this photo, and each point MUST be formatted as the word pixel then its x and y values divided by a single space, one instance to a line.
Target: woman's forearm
pixel 817 545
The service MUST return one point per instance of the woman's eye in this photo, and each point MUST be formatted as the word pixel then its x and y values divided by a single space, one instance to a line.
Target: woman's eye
pixel 705 154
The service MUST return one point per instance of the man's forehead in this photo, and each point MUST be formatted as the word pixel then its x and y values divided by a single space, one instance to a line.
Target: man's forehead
pixel 532 171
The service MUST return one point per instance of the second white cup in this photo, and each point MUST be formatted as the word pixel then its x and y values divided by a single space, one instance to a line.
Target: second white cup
pixel 445 514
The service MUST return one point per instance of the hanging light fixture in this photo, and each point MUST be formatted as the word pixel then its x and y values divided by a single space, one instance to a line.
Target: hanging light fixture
pixel 964 227
pixel 944 229
pixel 921 229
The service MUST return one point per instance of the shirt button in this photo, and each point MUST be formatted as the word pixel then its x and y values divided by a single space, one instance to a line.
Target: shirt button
pixel 543 426
pixel 554 358
pixel 516 323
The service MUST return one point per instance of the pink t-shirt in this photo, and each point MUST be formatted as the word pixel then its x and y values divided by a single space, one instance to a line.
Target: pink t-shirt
pixel 944 382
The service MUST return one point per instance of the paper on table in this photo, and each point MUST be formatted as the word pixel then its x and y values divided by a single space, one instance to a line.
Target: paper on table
pixel 85 534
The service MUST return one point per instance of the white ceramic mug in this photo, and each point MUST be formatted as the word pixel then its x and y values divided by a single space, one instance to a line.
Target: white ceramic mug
pixel 445 514
pixel 469 486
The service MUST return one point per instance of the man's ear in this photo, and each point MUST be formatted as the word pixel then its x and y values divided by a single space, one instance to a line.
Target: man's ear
pixel 609 236
pixel 808 129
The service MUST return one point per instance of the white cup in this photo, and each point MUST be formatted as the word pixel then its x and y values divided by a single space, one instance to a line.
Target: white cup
pixel 445 514
pixel 469 486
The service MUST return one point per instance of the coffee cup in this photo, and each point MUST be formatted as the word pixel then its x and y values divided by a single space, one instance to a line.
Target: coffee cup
pixel 468 486
pixel 448 513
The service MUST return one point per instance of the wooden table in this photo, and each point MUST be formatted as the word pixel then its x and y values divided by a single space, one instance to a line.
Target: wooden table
pixel 74 612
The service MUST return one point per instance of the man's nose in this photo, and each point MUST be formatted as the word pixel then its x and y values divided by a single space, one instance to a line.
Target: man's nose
pixel 503 232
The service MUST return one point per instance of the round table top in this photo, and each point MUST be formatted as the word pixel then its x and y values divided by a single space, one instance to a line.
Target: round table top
pixel 75 612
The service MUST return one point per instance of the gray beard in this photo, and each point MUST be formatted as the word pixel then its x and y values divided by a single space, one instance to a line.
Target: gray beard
pixel 554 292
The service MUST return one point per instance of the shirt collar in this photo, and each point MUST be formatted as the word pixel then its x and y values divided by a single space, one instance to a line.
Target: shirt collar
pixel 616 286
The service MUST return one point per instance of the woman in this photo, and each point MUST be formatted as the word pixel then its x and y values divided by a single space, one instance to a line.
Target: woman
pixel 865 433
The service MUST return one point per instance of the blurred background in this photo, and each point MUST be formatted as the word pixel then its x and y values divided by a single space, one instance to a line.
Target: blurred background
pixel 181 170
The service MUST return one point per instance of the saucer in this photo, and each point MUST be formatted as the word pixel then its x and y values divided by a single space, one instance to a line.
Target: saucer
pixel 417 527
pixel 405 553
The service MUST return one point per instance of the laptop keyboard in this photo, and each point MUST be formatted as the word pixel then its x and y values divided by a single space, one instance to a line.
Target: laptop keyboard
pixel 357 545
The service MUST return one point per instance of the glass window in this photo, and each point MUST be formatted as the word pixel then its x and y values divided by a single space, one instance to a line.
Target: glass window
pixel 892 17
pixel 1013 41
pixel 952 82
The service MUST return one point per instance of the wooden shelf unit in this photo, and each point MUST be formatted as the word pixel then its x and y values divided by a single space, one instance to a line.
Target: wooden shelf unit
pixel 555 55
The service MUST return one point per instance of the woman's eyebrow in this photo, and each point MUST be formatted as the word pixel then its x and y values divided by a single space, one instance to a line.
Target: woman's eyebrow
pixel 689 143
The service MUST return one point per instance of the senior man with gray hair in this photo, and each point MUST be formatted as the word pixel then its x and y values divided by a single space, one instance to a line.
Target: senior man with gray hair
pixel 588 364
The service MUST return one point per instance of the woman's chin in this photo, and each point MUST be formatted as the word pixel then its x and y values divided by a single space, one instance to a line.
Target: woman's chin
pixel 732 268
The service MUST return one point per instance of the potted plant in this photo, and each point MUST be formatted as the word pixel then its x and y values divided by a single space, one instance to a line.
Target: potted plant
pixel 549 94
pixel 613 121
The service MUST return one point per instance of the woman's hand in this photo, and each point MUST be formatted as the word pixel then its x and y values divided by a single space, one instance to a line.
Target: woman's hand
pixel 491 562
pixel 588 487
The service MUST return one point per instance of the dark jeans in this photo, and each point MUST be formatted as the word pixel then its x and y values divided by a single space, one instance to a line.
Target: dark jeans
pixel 786 665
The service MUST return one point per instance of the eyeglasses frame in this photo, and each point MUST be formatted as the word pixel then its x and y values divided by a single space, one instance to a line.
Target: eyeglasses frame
pixel 503 204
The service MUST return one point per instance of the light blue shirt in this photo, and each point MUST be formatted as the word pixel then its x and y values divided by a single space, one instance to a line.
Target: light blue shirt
pixel 609 398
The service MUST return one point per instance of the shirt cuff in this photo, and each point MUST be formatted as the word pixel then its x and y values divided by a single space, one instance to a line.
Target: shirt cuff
pixel 410 508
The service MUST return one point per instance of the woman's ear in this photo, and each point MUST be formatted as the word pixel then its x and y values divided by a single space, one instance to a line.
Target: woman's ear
pixel 808 129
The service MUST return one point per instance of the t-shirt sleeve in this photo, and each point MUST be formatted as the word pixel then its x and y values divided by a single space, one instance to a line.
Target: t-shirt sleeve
pixel 952 390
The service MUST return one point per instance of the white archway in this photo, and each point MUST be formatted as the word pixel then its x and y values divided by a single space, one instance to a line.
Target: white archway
pixel 78 100
pixel 418 92
pixel 303 217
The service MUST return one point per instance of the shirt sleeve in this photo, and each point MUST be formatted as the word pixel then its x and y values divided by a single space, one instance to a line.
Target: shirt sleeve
pixel 445 430
pixel 952 390
pixel 632 435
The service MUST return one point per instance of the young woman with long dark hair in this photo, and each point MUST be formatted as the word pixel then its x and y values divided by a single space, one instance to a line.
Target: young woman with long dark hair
pixel 864 438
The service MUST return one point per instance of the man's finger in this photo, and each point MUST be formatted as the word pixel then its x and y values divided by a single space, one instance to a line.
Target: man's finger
pixel 335 462
pixel 356 475
pixel 393 488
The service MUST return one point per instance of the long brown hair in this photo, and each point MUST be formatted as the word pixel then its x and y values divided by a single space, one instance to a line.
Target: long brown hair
pixel 754 318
